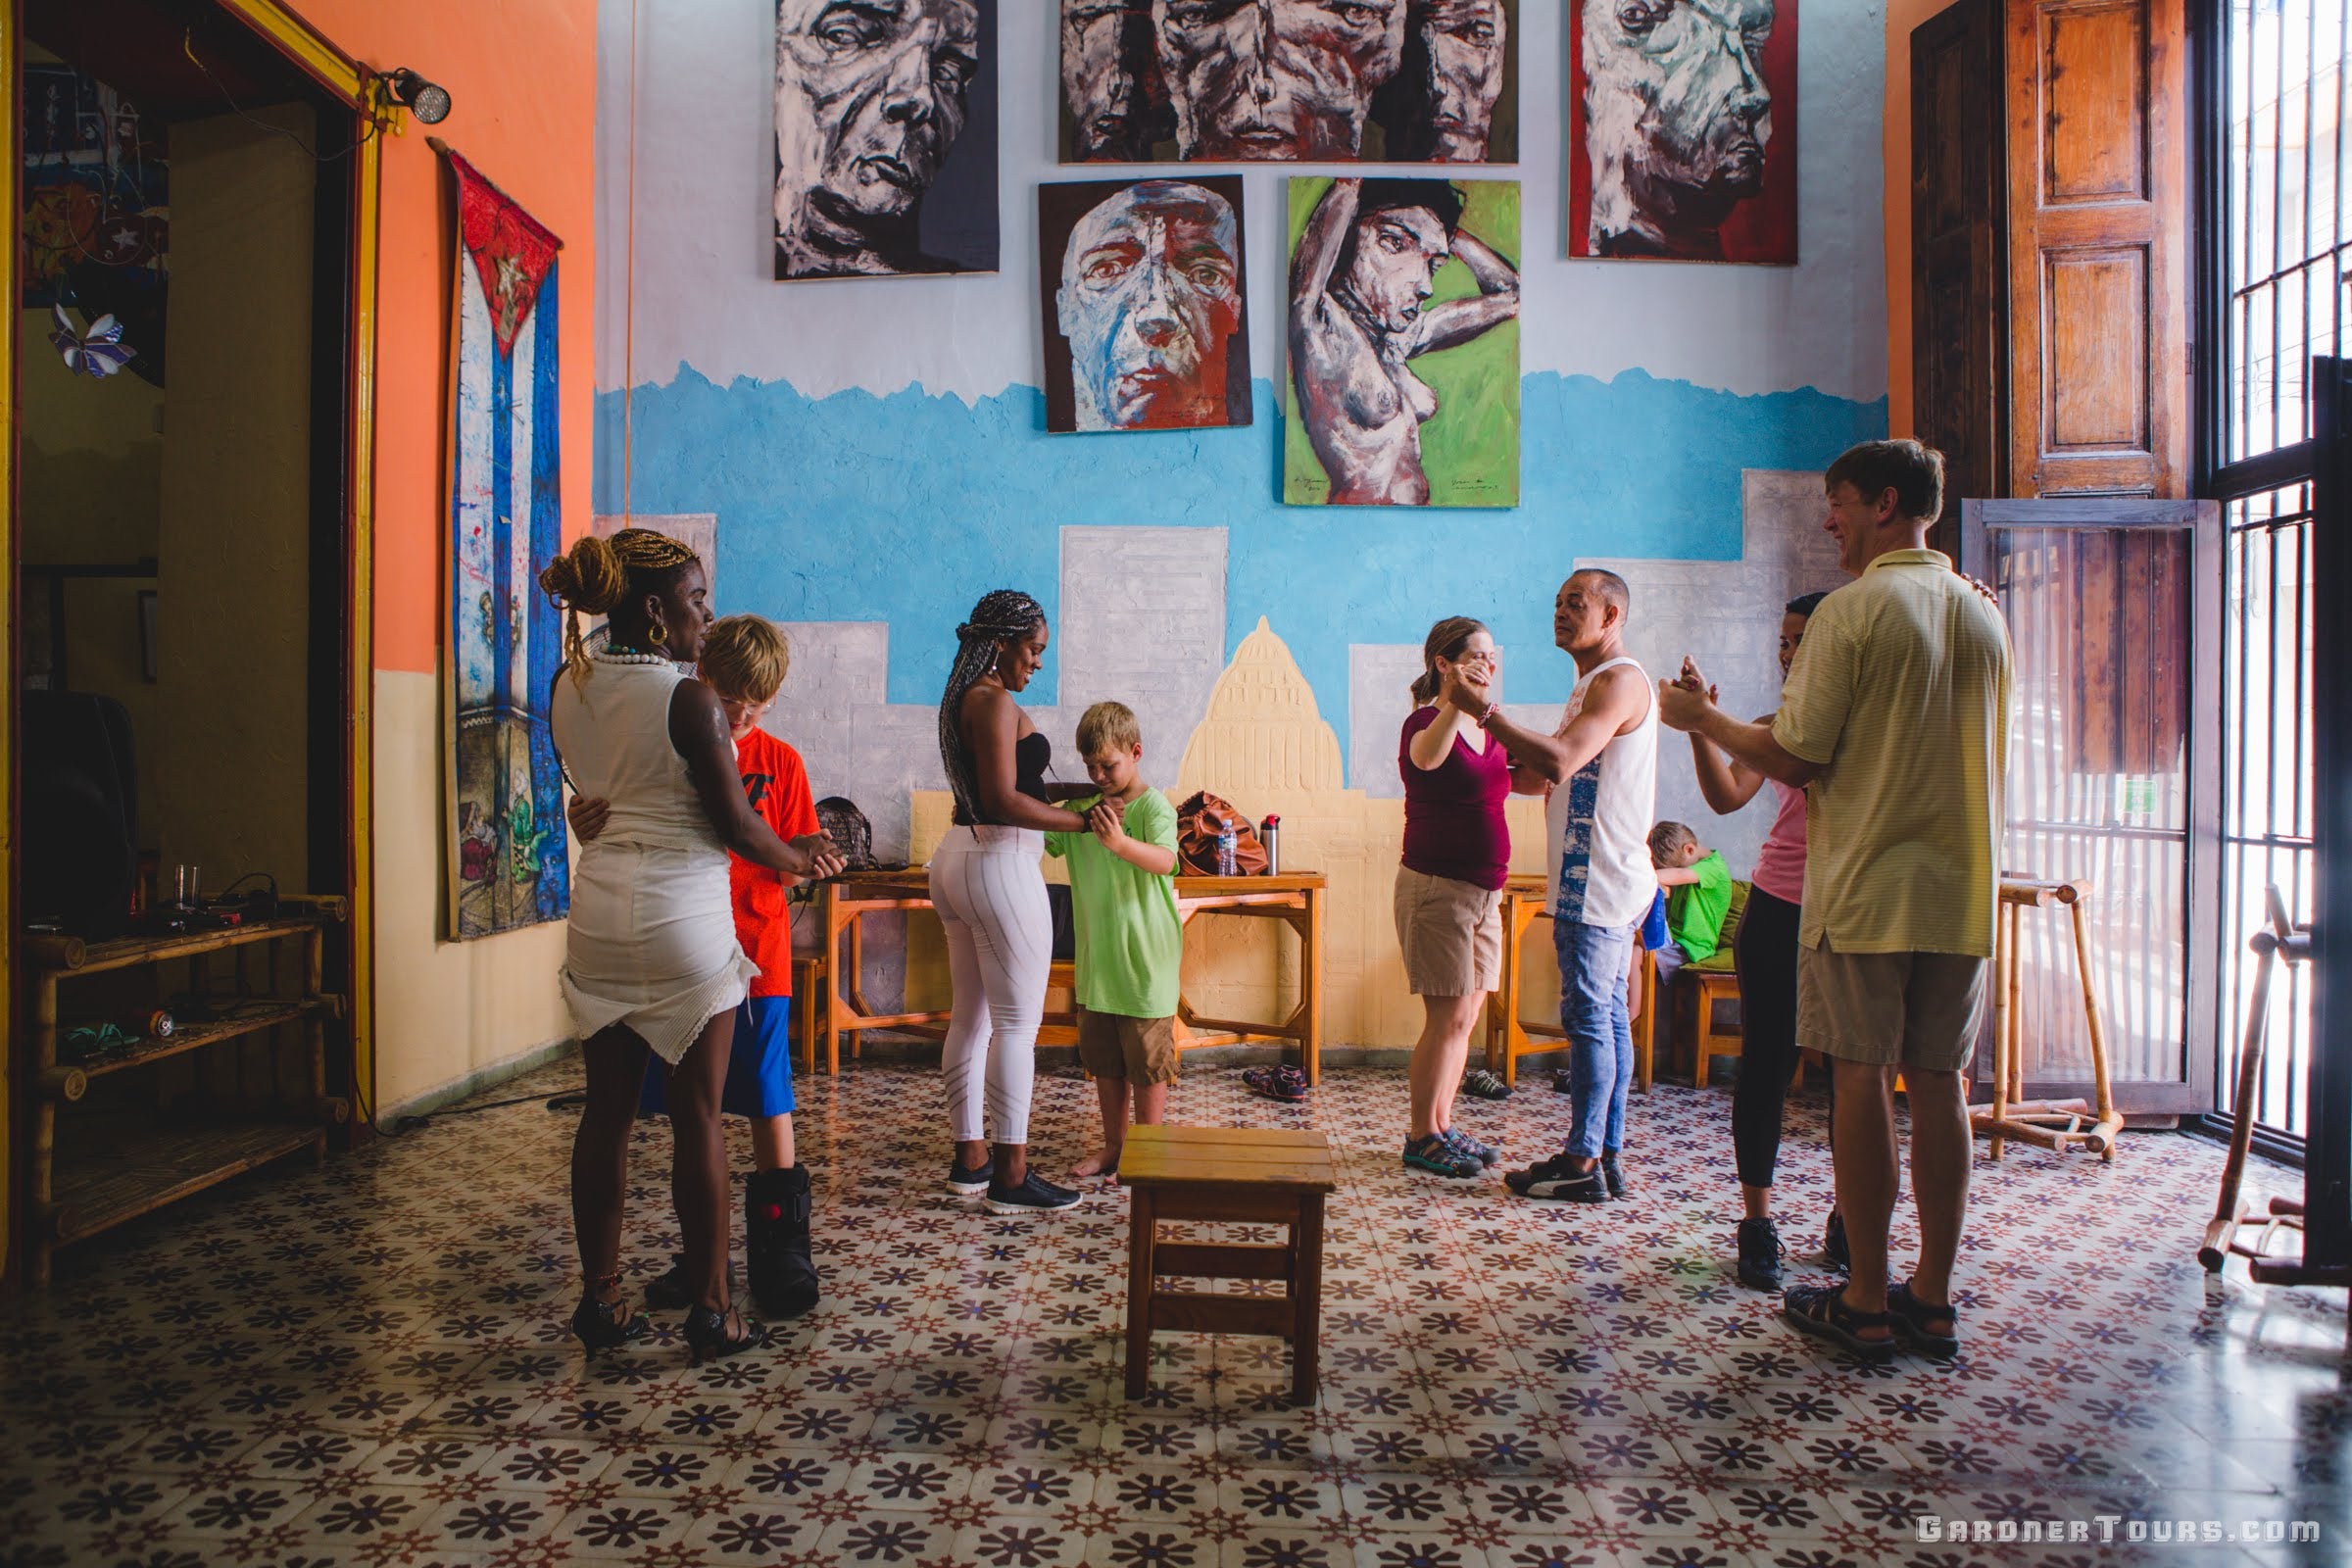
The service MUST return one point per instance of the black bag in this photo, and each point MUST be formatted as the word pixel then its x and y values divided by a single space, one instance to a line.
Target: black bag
pixel 849 831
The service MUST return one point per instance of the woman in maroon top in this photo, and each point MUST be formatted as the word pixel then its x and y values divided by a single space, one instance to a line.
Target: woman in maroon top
pixel 1457 852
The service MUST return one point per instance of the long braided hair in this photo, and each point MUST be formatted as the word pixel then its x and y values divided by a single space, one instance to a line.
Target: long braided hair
pixel 997 618
pixel 599 575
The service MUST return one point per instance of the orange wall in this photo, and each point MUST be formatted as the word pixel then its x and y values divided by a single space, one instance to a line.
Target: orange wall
pixel 1901 17
pixel 522 76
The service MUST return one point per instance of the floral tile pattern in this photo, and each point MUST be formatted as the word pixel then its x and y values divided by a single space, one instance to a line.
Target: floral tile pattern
pixel 369 1365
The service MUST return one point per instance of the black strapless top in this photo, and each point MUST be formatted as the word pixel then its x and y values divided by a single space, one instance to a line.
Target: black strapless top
pixel 1030 756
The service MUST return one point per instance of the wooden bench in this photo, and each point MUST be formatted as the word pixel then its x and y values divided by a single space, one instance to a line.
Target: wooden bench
pixel 1249 1176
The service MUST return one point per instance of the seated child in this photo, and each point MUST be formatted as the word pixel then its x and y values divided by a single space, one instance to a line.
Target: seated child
pixel 1130 941
pixel 1698 895
pixel 743 661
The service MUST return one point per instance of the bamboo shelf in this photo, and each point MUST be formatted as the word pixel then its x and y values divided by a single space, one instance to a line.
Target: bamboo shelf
pixel 92 1168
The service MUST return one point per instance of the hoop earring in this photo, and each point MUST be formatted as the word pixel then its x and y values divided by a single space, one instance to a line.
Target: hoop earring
pixel 656 634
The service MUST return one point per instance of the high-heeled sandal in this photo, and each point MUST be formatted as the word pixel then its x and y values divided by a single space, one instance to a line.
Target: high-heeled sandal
pixel 608 1325
pixel 707 1336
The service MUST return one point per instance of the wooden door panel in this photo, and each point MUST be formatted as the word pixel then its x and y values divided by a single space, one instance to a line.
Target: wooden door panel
pixel 2097 115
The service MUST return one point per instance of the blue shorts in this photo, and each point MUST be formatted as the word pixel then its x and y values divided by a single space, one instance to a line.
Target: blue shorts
pixel 759 1067
pixel 1654 924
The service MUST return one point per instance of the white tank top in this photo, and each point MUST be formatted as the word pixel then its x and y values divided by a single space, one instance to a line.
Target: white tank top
pixel 612 731
pixel 1596 823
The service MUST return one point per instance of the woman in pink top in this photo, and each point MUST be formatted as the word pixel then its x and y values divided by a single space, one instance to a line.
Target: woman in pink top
pixel 1765 950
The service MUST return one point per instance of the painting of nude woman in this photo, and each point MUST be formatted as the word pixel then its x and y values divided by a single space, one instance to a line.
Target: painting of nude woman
pixel 1403 306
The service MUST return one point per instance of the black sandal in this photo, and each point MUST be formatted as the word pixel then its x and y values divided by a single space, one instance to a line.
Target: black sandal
pixel 608 1325
pixel 1911 1318
pixel 1821 1311
pixel 707 1338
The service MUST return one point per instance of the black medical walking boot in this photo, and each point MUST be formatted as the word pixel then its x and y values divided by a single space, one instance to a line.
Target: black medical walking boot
pixel 775 1242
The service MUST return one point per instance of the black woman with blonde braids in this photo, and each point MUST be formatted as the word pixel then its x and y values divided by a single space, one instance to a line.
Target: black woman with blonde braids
pixel 650 959
pixel 989 886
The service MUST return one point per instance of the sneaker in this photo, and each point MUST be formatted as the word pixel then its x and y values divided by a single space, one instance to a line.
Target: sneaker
pixel 1034 1196
pixel 1610 1174
pixel 1486 1085
pixel 1485 1153
pixel 970 1183
pixel 1558 1178
pixel 1832 1243
pixel 670 1291
pixel 1760 1254
pixel 1563 1082
pixel 1285 1083
pixel 1435 1154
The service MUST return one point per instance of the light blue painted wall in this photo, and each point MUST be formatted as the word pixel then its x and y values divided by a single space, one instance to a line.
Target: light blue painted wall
pixel 905 507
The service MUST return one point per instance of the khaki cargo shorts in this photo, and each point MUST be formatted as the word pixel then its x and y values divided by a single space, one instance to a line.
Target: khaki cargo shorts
pixel 1451 933
pixel 1910 1010
pixel 1111 1044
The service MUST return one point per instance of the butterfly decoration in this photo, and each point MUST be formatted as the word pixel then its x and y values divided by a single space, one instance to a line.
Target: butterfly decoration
pixel 97 353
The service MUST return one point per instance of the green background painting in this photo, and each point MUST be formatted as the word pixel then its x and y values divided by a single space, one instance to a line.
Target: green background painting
pixel 1470 449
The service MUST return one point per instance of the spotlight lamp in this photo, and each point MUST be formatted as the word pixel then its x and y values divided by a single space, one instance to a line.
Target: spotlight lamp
pixel 425 100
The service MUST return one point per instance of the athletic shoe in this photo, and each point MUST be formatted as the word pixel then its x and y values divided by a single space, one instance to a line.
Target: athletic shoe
pixel 1285 1083
pixel 1558 1178
pixel 1485 1153
pixel 970 1183
pixel 1832 1243
pixel 1760 1254
pixel 1486 1085
pixel 1563 1082
pixel 670 1291
pixel 1440 1158
pixel 1034 1196
pixel 1610 1174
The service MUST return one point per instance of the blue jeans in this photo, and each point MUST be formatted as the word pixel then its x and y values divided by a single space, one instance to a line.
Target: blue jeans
pixel 1593 959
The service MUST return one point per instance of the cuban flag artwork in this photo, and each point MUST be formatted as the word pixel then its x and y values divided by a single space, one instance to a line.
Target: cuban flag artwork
pixel 506 839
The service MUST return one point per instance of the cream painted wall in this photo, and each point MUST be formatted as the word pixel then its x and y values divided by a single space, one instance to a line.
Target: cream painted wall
pixel 233 552
pixel 444 1010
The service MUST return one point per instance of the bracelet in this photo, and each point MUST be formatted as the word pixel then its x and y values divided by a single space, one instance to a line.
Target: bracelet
pixel 1487 717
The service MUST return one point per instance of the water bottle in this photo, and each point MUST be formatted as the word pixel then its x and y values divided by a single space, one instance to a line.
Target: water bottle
pixel 1269 834
pixel 1228 848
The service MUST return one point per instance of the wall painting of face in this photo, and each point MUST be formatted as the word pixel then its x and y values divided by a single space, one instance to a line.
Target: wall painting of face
pixel 1686 123
pixel 1404 336
pixel 1273 80
pixel 886 137
pixel 1145 319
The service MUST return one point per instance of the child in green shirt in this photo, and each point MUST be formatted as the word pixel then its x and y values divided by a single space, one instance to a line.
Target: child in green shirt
pixel 1698 895
pixel 1130 941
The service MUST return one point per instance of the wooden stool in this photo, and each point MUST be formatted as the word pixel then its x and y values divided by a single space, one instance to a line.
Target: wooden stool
pixel 1249 1176
pixel 2055 1124
pixel 811 997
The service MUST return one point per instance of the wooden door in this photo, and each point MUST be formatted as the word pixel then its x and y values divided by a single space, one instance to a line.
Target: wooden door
pixel 2113 612
pixel 1959 259
pixel 2098 251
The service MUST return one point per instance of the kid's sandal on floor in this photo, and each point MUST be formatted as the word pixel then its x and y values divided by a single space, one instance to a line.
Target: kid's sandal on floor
pixel 1911 1318
pixel 1485 1085
pixel 1285 1083
pixel 1821 1311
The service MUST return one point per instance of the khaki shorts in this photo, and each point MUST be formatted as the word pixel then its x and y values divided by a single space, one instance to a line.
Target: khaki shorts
pixel 1451 933
pixel 1111 1044
pixel 1912 1010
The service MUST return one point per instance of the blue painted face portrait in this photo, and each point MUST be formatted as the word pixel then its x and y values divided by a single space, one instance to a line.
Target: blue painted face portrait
pixel 1149 300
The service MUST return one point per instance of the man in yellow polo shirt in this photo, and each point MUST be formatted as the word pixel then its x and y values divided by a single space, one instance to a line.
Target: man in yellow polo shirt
pixel 1895 718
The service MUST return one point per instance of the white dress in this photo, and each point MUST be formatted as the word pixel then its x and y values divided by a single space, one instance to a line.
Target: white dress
pixel 651 935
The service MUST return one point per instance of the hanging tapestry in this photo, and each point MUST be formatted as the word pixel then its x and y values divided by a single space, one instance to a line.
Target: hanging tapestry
pixel 508 866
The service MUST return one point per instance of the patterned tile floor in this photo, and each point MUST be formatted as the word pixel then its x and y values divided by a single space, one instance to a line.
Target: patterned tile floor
pixel 369 1364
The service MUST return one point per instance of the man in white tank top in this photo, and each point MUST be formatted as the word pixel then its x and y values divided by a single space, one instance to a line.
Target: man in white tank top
pixel 1598 772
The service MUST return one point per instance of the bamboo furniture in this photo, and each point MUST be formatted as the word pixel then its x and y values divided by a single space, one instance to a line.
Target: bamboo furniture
pixel 2278 942
pixel 1526 899
pixel 105 1148
pixel 1293 898
pixel 2053 1124
pixel 1239 1175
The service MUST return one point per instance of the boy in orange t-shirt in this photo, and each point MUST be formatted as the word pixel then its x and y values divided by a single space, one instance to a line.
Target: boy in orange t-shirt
pixel 743 661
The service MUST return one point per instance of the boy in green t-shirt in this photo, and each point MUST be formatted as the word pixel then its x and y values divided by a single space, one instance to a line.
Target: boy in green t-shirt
pixel 1130 943
pixel 1698 895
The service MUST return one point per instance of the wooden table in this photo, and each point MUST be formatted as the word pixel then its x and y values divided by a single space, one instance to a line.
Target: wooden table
pixel 1240 1175
pixel 1294 897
